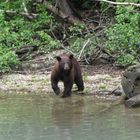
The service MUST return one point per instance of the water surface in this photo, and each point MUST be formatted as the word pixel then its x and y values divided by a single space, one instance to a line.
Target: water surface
pixel 48 117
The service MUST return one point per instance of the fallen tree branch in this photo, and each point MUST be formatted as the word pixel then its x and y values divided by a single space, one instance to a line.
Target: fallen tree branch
pixel 20 13
pixel 121 3
pixel 24 6
pixel 104 51
pixel 83 48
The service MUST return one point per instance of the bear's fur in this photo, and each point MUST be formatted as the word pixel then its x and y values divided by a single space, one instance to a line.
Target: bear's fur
pixel 67 70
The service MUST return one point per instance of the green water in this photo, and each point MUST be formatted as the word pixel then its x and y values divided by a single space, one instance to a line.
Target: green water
pixel 47 117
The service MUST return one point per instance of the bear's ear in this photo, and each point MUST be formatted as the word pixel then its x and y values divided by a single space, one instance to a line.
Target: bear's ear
pixel 71 56
pixel 58 58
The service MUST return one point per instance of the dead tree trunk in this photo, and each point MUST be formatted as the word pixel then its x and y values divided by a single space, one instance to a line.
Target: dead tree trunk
pixel 66 7
pixel 65 10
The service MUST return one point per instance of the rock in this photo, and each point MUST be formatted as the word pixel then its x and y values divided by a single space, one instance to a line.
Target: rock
pixel 133 102
pixel 131 85
pixel 131 81
pixel 117 92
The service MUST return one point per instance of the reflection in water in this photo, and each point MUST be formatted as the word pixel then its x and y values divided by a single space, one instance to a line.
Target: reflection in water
pixel 46 117
pixel 67 115
pixel 132 121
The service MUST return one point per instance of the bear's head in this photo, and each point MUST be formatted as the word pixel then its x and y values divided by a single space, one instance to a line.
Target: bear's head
pixel 65 62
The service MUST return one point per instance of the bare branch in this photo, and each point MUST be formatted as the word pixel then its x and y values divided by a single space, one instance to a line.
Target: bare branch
pixel 24 6
pixel 121 3
pixel 16 12
pixel 83 48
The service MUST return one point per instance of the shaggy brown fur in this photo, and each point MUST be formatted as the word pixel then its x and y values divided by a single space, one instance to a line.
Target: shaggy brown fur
pixel 67 70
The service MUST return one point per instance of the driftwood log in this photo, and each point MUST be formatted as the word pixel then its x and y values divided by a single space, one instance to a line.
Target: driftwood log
pixel 131 85
pixel 25 51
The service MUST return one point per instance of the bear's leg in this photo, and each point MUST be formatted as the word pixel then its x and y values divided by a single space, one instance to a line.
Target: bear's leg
pixel 79 82
pixel 55 87
pixel 67 88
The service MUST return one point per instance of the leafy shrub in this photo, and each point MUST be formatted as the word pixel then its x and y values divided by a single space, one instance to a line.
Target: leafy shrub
pixel 123 36
pixel 49 44
pixel 17 30
pixel 7 59
pixel 79 43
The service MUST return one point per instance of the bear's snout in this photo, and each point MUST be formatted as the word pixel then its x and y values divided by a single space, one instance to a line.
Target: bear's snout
pixel 66 66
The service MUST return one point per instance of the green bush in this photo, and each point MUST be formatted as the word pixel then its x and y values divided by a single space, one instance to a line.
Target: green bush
pixel 17 30
pixel 123 37
pixel 79 43
pixel 49 44
pixel 8 59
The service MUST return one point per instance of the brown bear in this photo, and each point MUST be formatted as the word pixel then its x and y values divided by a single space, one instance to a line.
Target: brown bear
pixel 67 70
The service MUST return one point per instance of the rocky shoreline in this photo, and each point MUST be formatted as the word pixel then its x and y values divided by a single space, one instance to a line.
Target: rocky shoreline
pixel 99 83
pixel 101 80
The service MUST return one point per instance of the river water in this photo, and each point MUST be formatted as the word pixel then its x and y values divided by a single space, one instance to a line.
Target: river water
pixel 48 117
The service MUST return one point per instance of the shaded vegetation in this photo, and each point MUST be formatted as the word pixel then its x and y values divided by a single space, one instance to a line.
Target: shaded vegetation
pixel 108 32
pixel 123 36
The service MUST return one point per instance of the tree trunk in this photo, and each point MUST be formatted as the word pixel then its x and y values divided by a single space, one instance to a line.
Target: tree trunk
pixel 65 10
pixel 66 7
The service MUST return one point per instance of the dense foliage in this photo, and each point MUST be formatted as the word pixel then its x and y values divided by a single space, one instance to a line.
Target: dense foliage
pixel 7 59
pixel 41 29
pixel 123 37
pixel 17 30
